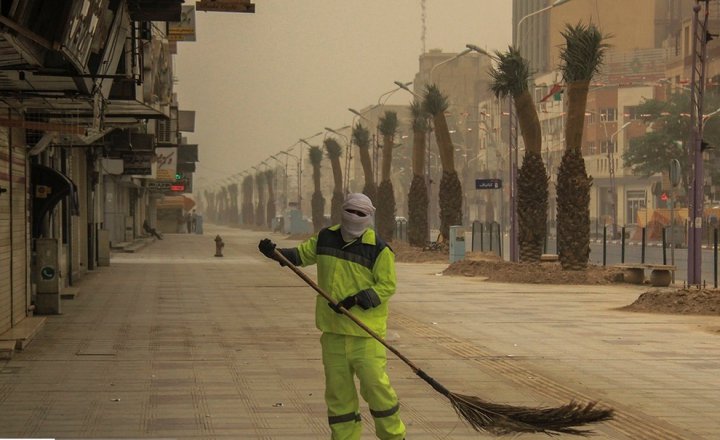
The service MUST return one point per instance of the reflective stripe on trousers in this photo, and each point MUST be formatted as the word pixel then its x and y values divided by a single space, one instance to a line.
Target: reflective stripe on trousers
pixel 347 356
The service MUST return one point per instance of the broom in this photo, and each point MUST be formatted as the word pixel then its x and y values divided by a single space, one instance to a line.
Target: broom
pixel 483 416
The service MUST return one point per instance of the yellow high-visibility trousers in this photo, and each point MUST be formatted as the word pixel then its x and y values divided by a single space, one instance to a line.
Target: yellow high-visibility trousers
pixel 345 357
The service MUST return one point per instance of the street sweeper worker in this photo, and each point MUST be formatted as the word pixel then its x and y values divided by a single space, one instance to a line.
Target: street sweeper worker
pixel 357 268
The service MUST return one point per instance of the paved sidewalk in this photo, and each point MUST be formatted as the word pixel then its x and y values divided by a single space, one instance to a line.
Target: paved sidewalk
pixel 171 342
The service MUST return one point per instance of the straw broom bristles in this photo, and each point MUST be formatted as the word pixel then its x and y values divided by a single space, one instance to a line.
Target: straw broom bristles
pixel 499 419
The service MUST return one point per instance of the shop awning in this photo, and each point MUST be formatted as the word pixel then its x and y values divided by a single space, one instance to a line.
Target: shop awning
pixel 49 187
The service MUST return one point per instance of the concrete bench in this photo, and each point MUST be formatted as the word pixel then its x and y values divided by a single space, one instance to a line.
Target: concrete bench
pixel 660 274
pixel 549 258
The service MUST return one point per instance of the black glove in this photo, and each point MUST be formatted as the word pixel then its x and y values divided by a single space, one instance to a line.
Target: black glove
pixel 267 247
pixel 366 299
pixel 347 303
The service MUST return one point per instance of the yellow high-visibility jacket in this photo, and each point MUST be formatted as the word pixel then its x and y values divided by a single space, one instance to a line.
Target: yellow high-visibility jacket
pixel 344 269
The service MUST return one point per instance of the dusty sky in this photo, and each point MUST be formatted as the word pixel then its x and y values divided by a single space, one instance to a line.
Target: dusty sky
pixel 259 82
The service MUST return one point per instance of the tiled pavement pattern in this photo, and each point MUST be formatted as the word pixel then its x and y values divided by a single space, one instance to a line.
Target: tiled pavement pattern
pixel 171 342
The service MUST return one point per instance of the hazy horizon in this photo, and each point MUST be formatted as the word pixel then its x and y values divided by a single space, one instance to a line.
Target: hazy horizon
pixel 259 82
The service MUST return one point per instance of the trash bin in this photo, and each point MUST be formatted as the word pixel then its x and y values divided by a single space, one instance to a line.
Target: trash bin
pixel 457 243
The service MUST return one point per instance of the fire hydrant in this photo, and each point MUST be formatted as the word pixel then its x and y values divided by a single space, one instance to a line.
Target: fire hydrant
pixel 219 245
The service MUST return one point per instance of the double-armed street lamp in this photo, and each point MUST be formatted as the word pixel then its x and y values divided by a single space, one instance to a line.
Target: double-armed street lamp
pixel 299 175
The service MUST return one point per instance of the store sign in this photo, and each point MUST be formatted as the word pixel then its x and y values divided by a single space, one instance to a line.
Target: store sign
pixel 183 30
pixel 159 186
pixel 488 183
pixel 166 163
pixel 138 164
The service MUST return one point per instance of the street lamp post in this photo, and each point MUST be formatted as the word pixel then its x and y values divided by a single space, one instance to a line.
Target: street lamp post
pixel 299 175
pixel 285 194
pixel 611 170
pixel 301 163
pixel 432 70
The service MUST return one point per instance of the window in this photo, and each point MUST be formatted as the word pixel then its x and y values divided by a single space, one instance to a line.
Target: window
pixel 608 147
pixel 591 148
pixel 631 113
pixel 636 201
pixel 608 115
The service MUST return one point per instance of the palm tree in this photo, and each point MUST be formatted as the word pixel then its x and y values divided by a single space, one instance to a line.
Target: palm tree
pixel 450 203
pixel 270 179
pixel 581 58
pixel 210 197
pixel 248 214
pixel 233 205
pixel 222 204
pixel 511 77
pixel 260 208
pixel 385 215
pixel 334 151
pixel 317 202
pixel 418 197
pixel 361 138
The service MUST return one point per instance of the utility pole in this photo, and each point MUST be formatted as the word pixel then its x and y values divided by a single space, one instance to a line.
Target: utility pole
pixel 700 38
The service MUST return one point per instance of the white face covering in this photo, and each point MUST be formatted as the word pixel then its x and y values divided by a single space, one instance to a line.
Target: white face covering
pixel 353 225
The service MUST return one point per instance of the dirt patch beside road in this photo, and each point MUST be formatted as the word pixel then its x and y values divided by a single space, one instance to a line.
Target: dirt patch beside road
pixel 686 301
pixel 538 273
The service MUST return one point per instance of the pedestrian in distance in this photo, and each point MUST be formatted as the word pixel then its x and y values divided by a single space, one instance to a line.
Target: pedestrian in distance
pixel 357 268
pixel 193 221
pixel 188 222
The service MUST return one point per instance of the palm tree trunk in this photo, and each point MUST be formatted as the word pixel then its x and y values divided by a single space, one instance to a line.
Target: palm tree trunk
pixel 317 202
pixel 450 187
pixel 529 123
pixel 573 211
pixel 577 100
pixel 532 183
pixel 573 186
pixel 337 198
pixel 418 212
pixel 270 203
pixel 532 207
pixel 445 146
pixel 369 189
pixel 418 197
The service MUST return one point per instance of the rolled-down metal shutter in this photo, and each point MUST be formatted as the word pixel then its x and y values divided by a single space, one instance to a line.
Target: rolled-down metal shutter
pixel 5 236
pixel 19 233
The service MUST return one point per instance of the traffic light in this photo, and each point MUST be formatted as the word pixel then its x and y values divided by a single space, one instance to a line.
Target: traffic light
pixel 179 175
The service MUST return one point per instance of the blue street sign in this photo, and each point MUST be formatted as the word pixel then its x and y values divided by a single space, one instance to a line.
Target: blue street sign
pixel 488 183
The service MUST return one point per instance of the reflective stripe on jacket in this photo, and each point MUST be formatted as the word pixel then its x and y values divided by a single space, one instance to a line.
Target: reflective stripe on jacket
pixel 344 269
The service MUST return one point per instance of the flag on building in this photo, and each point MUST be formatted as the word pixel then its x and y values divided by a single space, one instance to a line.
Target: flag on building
pixel 555 91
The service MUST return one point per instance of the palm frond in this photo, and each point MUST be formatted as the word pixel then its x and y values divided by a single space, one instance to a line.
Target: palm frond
pixel 512 74
pixel 333 148
pixel 419 116
pixel 388 123
pixel 582 56
pixel 435 102
pixel 361 136
pixel 315 155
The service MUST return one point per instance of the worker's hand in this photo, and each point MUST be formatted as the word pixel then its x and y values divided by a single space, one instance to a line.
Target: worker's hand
pixel 267 247
pixel 367 299
pixel 347 303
